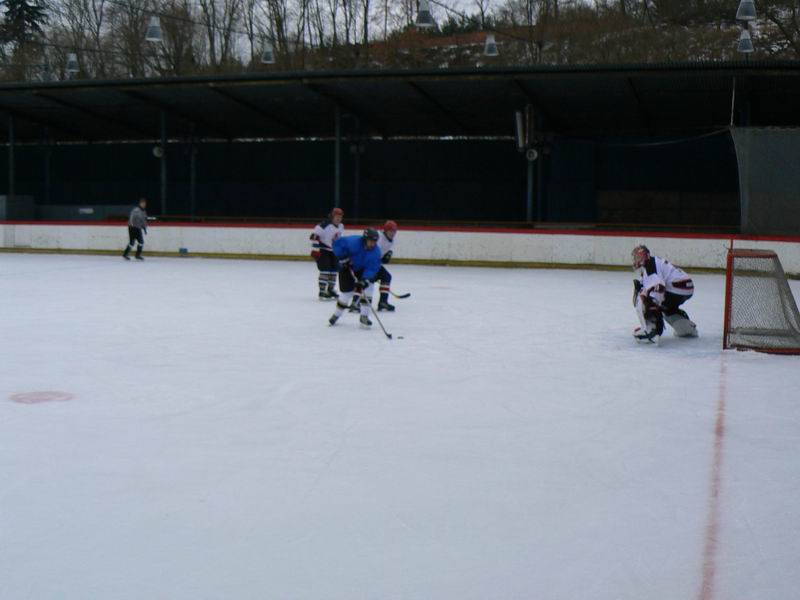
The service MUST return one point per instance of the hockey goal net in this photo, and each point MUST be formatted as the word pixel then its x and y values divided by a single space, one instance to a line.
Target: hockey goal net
pixel 760 311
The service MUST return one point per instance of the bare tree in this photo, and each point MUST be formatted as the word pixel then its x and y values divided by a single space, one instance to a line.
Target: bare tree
pixel 220 19
pixel 784 18
pixel 176 53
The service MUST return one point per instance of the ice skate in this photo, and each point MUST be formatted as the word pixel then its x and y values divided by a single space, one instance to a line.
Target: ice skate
pixel 651 337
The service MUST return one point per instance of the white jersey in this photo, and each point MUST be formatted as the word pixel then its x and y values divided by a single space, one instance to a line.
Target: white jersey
pixel 385 244
pixel 325 234
pixel 657 271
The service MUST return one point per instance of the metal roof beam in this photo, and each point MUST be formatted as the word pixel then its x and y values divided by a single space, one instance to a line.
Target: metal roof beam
pixel 258 110
pixel 640 109
pixel 168 108
pixel 93 114
pixel 431 100
pixel 537 104
pixel 346 106
pixel 80 135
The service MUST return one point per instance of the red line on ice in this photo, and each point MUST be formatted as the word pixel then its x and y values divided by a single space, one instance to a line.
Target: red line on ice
pixel 715 485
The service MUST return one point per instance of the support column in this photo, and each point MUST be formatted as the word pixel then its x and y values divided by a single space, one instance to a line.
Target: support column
pixel 529 195
pixel 540 199
pixel 192 178
pixel 11 169
pixel 163 162
pixel 47 153
pixel 540 214
pixel 355 146
pixel 337 172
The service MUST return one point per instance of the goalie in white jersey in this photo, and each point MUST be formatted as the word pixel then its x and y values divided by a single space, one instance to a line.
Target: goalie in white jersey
pixel 659 289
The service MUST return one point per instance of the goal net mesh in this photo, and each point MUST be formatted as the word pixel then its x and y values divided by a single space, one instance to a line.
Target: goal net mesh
pixel 760 311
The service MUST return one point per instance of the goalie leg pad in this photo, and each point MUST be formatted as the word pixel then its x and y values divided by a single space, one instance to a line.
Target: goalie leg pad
pixel 652 323
pixel 681 324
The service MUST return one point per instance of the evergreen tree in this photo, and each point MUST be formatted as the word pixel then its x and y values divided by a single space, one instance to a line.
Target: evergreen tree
pixel 23 21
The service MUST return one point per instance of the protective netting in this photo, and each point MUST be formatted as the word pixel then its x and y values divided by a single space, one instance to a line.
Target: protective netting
pixel 761 313
pixel 769 179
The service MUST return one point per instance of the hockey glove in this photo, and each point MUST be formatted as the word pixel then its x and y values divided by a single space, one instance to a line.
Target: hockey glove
pixel 315 254
pixel 387 257
pixel 344 264
pixel 362 283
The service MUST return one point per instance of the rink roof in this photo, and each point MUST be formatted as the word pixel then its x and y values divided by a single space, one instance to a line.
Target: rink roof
pixel 583 100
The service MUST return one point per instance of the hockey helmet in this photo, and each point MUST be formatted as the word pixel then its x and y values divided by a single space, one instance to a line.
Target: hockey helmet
pixel 337 212
pixel 370 234
pixel 390 229
pixel 640 255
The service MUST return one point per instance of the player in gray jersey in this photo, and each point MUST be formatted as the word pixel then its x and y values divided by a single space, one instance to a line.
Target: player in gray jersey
pixel 137 226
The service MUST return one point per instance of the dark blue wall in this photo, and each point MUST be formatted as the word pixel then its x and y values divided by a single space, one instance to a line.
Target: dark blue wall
pixel 436 180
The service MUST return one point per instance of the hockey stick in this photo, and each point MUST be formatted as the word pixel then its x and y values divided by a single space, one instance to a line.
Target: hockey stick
pixel 378 319
pixel 374 314
pixel 401 296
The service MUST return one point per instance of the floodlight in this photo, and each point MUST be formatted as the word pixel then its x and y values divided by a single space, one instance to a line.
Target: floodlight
pixel 268 55
pixel 424 16
pixel 490 47
pixel 153 33
pixel 745 42
pixel 72 63
pixel 746 11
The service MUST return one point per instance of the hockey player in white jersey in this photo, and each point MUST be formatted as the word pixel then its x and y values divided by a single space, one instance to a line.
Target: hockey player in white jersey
pixel 659 289
pixel 322 238
pixel 386 245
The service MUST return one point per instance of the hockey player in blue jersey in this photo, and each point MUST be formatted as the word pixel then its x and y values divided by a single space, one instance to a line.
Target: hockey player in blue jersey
pixel 360 260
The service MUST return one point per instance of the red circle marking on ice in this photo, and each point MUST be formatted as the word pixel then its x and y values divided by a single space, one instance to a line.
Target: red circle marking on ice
pixel 39 397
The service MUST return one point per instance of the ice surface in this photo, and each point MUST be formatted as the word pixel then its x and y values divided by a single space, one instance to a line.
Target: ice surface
pixel 224 442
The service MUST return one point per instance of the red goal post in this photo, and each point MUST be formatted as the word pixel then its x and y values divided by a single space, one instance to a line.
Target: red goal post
pixel 760 311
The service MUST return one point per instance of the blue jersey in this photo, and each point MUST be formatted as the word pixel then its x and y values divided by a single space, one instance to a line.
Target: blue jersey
pixel 366 262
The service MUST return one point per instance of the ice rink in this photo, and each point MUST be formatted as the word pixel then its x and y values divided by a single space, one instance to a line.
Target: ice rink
pixel 215 439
